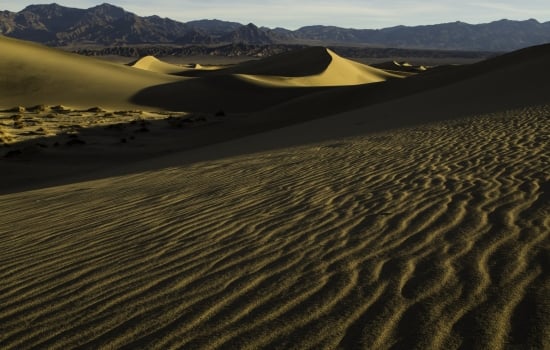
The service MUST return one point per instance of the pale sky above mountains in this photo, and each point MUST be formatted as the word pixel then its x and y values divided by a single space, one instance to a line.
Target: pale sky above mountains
pixel 293 14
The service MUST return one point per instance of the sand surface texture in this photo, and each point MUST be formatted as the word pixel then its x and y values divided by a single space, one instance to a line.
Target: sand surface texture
pixel 256 206
pixel 411 237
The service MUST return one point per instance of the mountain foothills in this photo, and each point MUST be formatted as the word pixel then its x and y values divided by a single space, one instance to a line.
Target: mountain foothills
pixel 106 24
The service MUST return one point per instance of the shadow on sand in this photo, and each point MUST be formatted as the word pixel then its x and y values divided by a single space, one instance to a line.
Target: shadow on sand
pixel 212 93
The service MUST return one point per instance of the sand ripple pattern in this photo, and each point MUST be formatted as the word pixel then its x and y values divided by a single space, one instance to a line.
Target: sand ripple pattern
pixel 429 237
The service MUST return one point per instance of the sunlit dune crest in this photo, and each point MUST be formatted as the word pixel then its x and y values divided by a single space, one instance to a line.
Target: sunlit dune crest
pixel 315 67
pixel 153 64
pixel 35 74
pixel 339 72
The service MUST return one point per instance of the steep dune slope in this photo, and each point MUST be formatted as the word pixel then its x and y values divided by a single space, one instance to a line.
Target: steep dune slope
pixel 311 67
pixel 339 72
pixel 297 63
pixel 255 86
pixel 35 74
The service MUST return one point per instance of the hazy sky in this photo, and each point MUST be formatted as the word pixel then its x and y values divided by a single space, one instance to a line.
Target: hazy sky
pixel 293 14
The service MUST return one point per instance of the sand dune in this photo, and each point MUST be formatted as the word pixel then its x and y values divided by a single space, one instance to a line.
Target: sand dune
pixel 33 74
pixel 298 63
pixel 153 64
pixel 259 85
pixel 513 81
pixel 312 67
pixel 510 81
pixel 340 72
pixel 421 236
pixel 414 214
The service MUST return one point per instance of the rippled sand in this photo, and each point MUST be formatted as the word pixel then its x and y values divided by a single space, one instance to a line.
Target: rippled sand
pixel 429 237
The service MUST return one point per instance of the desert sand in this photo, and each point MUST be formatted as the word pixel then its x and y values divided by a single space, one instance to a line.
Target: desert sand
pixel 285 212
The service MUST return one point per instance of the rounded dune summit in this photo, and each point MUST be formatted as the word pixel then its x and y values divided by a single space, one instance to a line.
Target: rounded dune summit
pixel 153 64
pixel 297 63
pixel 35 74
pixel 311 67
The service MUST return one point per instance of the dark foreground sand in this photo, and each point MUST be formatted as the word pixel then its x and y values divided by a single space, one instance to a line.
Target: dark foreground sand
pixel 414 238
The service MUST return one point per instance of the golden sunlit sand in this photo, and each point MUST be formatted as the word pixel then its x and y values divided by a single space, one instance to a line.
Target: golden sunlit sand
pixel 151 63
pixel 339 72
pixel 280 212
pixel 33 74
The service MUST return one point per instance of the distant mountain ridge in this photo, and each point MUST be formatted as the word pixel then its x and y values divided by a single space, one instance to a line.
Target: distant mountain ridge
pixel 110 25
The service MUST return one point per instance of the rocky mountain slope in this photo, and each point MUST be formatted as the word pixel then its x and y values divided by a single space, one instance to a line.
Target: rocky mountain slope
pixel 110 25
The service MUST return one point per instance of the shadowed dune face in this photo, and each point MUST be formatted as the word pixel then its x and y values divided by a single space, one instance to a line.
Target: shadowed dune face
pixel 434 236
pixel 255 86
pixel 33 74
pixel 340 72
pixel 218 92
pixel 309 61
pixel 510 81
pixel 312 67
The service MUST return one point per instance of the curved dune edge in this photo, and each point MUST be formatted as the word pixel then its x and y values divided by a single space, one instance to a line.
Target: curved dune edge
pixel 153 64
pixel 295 63
pixel 35 74
pixel 210 67
pixel 340 72
pixel 419 237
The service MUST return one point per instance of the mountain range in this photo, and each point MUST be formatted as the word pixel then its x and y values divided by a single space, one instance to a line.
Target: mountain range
pixel 109 25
